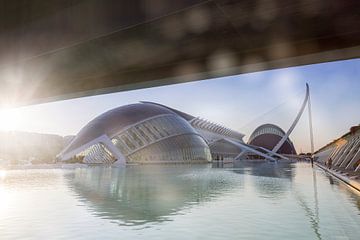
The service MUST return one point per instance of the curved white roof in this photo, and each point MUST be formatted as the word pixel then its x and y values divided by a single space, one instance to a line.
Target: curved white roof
pixel 114 121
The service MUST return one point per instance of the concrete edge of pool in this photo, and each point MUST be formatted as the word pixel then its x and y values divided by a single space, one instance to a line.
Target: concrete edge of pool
pixel 355 184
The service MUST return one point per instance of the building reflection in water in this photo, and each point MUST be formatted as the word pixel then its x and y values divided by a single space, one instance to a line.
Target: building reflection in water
pixel 146 194
pixel 273 180
pixel 270 180
pixel 267 169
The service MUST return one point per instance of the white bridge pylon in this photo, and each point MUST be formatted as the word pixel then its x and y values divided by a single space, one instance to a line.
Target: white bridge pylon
pixel 285 137
pixel 273 152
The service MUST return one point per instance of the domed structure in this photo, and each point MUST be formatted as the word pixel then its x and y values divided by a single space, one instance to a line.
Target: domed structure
pixel 148 132
pixel 268 135
pixel 141 132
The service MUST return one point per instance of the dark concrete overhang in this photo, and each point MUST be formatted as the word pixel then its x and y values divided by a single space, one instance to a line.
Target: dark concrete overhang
pixel 59 49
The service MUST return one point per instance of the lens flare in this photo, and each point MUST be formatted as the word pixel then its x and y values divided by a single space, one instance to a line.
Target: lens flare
pixel 9 119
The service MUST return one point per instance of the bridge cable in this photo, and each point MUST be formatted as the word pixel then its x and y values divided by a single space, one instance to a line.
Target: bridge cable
pixel 270 111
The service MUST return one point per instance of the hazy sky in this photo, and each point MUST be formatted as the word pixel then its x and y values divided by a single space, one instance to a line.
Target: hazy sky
pixel 240 102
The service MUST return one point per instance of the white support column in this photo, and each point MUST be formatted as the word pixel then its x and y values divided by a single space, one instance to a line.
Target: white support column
pixel 350 153
pixel 250 149
pixel 67 156
pixel 195 122
pixel 335 151
pixel 336 156
pixel 201 124
pixel 311 126
pixel 275 154
pixel 357 168
pixel 120 158
pixel 243 152
pixel 340 157
pixel 220 129
pixel 354 159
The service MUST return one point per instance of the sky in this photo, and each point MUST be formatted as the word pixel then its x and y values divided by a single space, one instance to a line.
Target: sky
pixel 241 102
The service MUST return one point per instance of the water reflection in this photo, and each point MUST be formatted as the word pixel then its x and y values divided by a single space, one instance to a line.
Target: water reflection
pixel 245 201
pixel 311 212
pixel 352 194
pixel 272 181
pixel 145 194
pixel 267 169
pixel 331 180
pixel 312 215
pixel 257 168
pixel 33 179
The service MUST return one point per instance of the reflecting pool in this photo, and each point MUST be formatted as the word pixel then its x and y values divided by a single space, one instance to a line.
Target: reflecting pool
pixel 241 201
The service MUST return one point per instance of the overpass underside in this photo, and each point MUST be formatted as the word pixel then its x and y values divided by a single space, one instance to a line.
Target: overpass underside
pixel 60 49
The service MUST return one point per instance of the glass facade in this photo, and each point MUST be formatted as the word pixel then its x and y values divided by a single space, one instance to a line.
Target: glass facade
pixel 181 148
pixel 162 139
pixel 97 153
pixel 224 150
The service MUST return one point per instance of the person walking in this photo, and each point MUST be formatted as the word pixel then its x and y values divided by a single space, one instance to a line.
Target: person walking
pixel 329 164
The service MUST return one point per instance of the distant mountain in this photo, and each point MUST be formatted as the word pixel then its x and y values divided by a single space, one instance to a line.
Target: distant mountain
pixel 68 139
pixel 24 147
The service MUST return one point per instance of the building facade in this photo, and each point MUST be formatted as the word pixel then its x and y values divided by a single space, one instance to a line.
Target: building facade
pixel 344 152
pixel 150 133
pixel 268 135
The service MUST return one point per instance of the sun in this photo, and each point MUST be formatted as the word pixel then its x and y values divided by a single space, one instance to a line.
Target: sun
pixel 9 119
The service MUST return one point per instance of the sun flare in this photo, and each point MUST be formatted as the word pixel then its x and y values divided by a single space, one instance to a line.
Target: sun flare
pixel 9 119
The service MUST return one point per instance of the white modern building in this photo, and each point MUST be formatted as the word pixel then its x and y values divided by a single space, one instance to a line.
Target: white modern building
pixel 149 132
pixel 344 152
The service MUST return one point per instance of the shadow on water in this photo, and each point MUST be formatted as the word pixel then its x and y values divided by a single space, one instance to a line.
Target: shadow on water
pixel 148 194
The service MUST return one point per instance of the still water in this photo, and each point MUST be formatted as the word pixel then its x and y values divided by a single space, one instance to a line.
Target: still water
pixel 244 201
